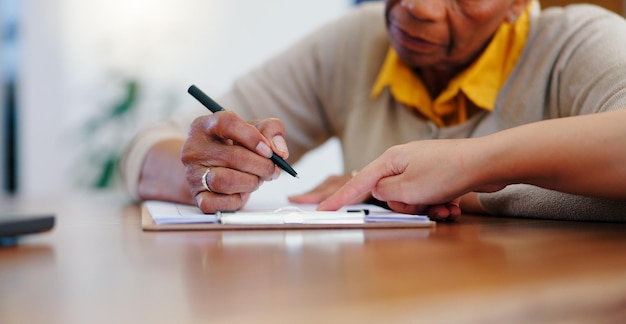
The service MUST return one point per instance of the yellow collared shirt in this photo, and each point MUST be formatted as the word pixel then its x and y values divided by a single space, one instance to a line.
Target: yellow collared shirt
pixel 475 88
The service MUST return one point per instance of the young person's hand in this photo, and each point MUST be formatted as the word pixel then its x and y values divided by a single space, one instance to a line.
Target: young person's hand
pixel 421 177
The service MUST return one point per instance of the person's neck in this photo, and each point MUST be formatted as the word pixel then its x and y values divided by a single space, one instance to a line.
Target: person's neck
pixel 436 80
pixel 437 77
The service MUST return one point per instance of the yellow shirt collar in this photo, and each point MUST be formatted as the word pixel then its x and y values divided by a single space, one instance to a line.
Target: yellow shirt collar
pixel 477 86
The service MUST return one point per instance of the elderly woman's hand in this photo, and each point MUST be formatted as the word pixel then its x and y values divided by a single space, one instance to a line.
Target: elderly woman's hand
pixel 226 159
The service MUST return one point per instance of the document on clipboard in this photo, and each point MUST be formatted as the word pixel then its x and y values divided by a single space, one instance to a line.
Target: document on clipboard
pixel 159 215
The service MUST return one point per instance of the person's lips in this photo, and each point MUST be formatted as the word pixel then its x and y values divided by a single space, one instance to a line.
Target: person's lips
pixel 412 43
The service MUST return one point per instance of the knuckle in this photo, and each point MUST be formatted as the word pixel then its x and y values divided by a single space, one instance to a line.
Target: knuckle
pixel 229 183
pixel 208 205
pixel 191 177
pixel 224 121
pixel 273 125
pixel 200 124
pixel 222 202
pixel 269 169
pixel 187 156
pixel 213 123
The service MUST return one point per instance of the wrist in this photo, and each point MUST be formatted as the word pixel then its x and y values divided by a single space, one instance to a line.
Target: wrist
pixel 479 162
pixel 487 164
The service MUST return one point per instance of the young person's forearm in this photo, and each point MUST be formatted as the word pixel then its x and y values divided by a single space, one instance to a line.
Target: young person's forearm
pixel 581 155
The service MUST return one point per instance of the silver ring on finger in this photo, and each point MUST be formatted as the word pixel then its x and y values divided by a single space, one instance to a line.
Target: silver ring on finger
pixel 204 183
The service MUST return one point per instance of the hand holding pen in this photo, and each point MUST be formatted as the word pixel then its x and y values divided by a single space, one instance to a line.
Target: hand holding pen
pixel 227 158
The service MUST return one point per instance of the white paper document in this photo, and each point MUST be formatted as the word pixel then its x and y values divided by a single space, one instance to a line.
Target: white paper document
pixel 172 213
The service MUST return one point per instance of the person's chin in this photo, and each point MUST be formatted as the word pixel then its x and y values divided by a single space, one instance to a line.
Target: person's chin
pixel 417 60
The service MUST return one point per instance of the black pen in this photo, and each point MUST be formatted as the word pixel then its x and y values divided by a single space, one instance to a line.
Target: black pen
pixel 215 107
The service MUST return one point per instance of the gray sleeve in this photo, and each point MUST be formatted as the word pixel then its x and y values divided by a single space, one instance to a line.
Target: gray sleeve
pixel 309 85
pixel 530 201
pixel 587 77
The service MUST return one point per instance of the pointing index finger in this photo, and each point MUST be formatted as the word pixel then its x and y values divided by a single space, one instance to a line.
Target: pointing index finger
pixel 360 184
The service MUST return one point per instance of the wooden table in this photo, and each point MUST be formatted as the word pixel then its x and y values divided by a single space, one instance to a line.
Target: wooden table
pixel 98 266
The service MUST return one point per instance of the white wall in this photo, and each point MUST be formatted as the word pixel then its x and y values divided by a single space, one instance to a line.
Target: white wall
pixel 75 54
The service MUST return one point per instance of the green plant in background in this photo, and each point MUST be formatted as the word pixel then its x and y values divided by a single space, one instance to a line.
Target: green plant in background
pixel 106 135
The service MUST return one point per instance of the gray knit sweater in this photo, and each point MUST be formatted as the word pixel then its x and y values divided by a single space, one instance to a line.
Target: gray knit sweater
pixel 574 63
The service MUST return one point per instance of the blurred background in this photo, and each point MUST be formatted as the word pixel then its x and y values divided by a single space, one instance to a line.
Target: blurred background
pixel 80 77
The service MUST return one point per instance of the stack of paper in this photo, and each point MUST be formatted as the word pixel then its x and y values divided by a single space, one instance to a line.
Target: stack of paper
pixel 171 213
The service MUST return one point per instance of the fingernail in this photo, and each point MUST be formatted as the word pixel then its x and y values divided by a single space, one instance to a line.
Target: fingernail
pixel 280 143
pixel 264 150
pixel 375 194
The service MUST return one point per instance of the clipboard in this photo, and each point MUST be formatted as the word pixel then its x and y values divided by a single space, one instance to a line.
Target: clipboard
pixel 148 222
